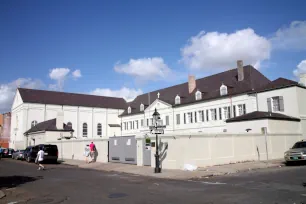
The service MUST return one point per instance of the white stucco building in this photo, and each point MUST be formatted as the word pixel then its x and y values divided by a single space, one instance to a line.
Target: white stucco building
pixel 237 101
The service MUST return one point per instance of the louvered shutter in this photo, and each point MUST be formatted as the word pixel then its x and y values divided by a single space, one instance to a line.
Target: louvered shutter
pixel 269 105
pixel 281 104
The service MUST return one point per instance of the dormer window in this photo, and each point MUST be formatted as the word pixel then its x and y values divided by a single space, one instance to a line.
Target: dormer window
pixel 177 99
pixel 223 90
pixel 198 95
pixel 141 107
pixel 129 110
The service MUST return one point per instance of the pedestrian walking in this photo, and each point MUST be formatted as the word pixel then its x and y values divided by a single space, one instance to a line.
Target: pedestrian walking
pixel 92 151
pixel 40 158
pixel 86 153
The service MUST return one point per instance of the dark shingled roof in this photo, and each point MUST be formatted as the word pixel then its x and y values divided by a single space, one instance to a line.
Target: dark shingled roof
pixel 209 86
pixel 70 99
pixel 277 84
pixel 48 125
pixel 258 115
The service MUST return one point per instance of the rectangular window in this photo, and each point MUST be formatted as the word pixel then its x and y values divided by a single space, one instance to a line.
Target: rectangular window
pixel 275 103
pixel 195 117
pixel 184 118
pixel 234 111
pixel 141 122
pixel 220 113
pixel 201 117
pixel 131 125
pixel 213 113
pixel 167 120
pixel 207 115
pixel 147 122
pixel 241 109
pixel 136 122
pixel 189 117
pixel 178 119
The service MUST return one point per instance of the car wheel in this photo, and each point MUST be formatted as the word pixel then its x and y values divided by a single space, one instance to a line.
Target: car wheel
pixel 28 159
pixel 288 163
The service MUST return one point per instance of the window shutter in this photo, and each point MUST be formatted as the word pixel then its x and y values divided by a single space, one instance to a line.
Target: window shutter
pixel 229 112
pixel 281 104
pixel 269 105
pixel 220 113
pixel 234 111
pixel 191 117
pixel 184 118
pixel 195 116
pixel 207 115
pixel 244 109
pixel 203 117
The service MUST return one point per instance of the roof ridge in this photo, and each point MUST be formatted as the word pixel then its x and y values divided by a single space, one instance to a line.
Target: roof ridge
pixel 246 66
pixel 70 93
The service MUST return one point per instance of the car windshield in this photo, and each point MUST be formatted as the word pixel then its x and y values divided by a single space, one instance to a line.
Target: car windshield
pixel 299 145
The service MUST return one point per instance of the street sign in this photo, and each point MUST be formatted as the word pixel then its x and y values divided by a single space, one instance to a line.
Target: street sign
pixel 157 131
pixel 158 127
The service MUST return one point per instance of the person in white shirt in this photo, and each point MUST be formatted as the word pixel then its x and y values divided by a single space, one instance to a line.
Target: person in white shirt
pixel 40 158
pixel 86 153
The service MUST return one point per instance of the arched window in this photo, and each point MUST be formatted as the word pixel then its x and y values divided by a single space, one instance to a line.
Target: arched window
pixel 34 122
pixel 69 124
pixel 198 95
pixel 177 99
pixel 129 110
pixel 141 107
pixel 85 130
pixel 223 90
pixel 99 129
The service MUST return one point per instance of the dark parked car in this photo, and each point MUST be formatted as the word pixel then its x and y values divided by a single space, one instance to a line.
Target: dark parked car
pixel 30 153
pixel 19 154
pixel 51 153
pixel 7 152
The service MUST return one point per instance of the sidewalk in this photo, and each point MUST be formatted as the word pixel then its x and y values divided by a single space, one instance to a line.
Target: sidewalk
pixel 178 174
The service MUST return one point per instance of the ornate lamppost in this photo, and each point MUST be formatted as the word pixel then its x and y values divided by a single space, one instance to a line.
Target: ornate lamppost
pixel 156 117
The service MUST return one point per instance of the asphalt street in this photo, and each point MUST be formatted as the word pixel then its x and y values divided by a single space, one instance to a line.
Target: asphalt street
pixel 67 184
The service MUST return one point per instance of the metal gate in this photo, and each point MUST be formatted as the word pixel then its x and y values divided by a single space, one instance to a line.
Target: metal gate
pixel 123 149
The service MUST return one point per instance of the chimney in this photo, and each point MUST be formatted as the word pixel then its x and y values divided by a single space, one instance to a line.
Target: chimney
pixel 240 70
pixel 191 83
pixel 302 79
pixel 60 120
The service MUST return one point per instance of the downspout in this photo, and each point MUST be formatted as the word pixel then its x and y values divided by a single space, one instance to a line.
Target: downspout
pixel 257 102
pixel 106 122
pixel 173 119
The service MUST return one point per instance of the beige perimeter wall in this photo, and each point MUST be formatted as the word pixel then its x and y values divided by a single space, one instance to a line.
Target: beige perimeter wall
pixel 208 150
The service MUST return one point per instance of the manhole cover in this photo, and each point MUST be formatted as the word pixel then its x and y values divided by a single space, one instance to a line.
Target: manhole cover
pixel 117 195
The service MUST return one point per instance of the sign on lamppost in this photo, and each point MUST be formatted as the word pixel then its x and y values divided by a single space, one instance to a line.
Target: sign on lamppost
pixel 157 129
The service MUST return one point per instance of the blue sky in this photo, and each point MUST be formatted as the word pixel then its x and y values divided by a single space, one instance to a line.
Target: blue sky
pixel 123 48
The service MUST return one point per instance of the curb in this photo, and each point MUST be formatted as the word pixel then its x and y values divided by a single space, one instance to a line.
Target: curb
pixel 2 194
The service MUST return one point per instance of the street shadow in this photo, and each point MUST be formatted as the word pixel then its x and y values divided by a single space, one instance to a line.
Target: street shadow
pixel 14 181
pixel 295 163
pixel 163 148
pixel 96 154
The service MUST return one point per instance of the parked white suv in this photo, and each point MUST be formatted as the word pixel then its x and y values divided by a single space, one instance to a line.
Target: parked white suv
pixel 296 153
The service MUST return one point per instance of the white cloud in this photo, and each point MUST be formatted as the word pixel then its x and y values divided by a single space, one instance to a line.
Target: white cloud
pixel 207 51
pixel 76 74
pixel 301 68
pixel 291 37
pixel 145 68
pixel 7 91
pixel 59 75
pixel 126 93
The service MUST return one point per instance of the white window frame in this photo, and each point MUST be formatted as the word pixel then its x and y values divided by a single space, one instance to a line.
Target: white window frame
pixel 33 123
pixel 200 116
pixel 275 99
pixel 178 119
pixel 85 130
pixel 189 118
pixel 213 114
pixel 129 110
pixel 141 107
pixel 198 95
pixel 223 90
pixel 177 99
